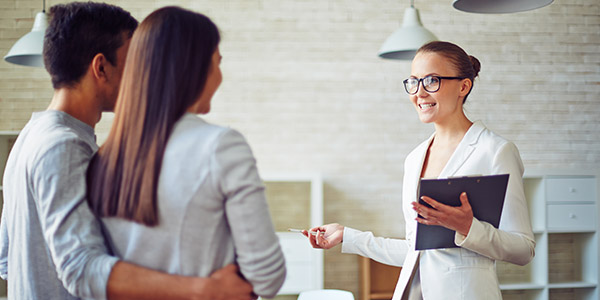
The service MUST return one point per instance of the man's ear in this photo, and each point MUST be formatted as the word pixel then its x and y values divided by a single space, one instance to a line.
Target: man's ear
pixel 98 66
pixel 465 86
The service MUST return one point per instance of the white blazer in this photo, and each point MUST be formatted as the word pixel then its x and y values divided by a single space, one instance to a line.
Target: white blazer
pixel 458 273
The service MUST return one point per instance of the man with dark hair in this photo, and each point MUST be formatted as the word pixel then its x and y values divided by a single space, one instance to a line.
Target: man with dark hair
pixel 51 245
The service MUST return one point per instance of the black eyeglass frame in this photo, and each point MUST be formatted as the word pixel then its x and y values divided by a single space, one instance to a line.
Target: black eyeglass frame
pixel 420 82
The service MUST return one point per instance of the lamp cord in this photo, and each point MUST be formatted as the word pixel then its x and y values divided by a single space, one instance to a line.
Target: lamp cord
pixel 44 7
pixel 412 2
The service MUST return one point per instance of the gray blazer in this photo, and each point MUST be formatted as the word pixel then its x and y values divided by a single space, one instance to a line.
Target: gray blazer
pixel 212 211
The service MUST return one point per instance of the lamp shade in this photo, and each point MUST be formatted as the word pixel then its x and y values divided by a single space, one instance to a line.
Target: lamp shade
pixel 27 51
pixel 498 6
pixel 404 42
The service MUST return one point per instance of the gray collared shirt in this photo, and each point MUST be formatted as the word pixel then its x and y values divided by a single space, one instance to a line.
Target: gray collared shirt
pixel 51 247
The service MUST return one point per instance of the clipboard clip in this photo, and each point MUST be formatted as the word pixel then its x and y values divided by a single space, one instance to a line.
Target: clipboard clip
pixel 467 176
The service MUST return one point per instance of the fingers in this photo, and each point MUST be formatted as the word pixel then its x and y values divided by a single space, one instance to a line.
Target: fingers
pixel 457 218
pixel 321 241
pixel 312 239
pixel 231 268
pixel 438 206
pixel 433 203
pixel 425 211
pixel 325 236
pixel 322 228
pixel 425 221
pixel 229 284
pixel 426 218
pixel 430 215
pixel 313 242
pixel 464 200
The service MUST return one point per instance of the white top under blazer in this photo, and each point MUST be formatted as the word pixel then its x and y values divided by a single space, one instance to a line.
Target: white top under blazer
pixel 467 272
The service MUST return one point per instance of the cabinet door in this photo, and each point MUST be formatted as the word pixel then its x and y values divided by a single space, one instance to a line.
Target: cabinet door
pixel 578 189
pixel 576 217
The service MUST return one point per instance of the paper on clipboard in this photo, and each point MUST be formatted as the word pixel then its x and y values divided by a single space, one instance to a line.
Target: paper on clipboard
pixel 486 197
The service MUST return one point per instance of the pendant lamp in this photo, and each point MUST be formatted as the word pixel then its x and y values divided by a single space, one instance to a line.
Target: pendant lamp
pixel 404 42
pixel 27 51
pixel 498 6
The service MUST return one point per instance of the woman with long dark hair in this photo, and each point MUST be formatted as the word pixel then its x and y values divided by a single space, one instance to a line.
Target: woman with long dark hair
pixel 176 193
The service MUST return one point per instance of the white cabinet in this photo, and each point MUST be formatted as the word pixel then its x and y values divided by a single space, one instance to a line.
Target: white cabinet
pixel 296 201
pixel 564 213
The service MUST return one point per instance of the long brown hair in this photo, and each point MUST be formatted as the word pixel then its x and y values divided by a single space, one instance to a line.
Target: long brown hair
pixel 467 65
pixel 165 72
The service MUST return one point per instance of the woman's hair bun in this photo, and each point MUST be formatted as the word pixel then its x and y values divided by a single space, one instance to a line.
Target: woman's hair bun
pixel 476 65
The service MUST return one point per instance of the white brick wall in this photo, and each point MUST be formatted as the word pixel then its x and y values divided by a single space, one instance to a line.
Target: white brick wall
pixel 303 82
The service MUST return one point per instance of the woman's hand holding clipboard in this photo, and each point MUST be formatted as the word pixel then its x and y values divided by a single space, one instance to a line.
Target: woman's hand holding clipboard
pixel 485 197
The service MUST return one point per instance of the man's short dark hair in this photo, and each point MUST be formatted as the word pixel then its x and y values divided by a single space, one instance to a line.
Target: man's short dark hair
pixel 77 32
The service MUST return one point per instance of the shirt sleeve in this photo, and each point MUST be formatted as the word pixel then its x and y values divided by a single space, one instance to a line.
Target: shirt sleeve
pixel 384 250
pixel 513 241
pixel 258 252
pixel 72 233
pixel 3 247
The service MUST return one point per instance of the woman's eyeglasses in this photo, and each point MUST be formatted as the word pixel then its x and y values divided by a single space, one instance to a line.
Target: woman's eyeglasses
pixel 430 83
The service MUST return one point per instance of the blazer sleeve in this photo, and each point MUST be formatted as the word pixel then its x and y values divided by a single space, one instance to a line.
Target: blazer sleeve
pixel 257 248
pixel 514 241
pixel 3 246
pixel 384 250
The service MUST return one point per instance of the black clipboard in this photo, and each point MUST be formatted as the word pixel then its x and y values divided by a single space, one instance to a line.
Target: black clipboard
pixel 486 196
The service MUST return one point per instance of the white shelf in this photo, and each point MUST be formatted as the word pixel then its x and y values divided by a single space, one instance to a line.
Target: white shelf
pixel 521 286
pixel 550 231
pixel 571 285
pixel 542 173
pixel 564 211
pixel 10 133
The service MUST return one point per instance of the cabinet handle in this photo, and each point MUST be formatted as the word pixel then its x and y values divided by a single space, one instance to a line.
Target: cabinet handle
pixel 572 216
pixel 572 190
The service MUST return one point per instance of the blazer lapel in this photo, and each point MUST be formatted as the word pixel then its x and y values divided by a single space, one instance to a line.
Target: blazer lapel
pixel 463 150
pixel 413 175
pixel 422 154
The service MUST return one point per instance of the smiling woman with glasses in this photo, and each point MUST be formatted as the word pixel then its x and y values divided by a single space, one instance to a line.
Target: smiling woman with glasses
pixel 457 148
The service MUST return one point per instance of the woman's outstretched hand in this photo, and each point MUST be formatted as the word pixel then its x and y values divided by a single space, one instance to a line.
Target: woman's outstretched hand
pixel 457 218
pixel 326 237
